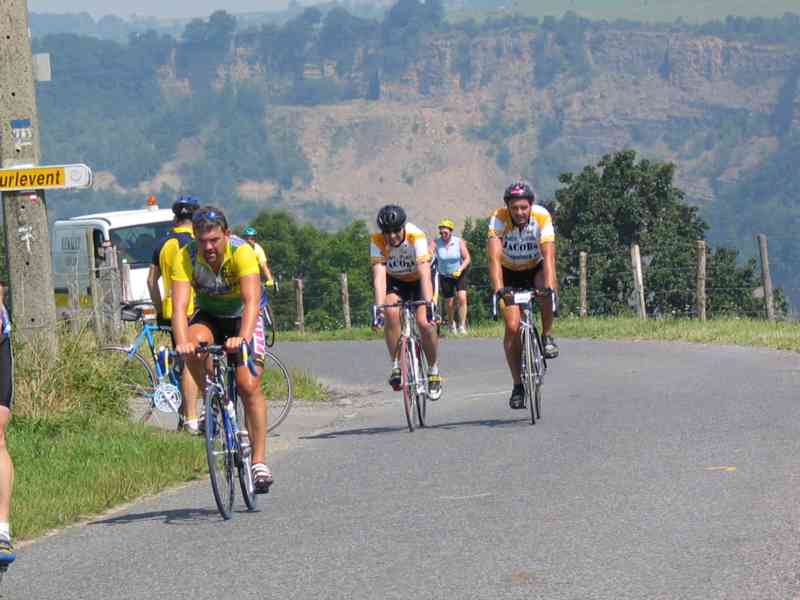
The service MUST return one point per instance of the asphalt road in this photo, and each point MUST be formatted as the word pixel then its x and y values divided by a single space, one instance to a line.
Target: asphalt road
pixel 659 471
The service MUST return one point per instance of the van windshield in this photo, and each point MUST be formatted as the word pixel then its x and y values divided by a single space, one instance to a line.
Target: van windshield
pixel 137 242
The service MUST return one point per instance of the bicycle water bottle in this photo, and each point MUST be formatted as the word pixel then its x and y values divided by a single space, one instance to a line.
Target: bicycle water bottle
pixel 244 442
pixel 163 360
pixel 230 410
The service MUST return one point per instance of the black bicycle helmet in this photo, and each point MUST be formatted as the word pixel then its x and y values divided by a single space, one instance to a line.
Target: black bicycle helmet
pixel 390 217
pixel 184 207
pixel 517 190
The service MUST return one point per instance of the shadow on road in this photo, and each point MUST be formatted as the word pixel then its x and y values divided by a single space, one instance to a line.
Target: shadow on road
pixel 481 423
pixel 345 432
pixel 169 517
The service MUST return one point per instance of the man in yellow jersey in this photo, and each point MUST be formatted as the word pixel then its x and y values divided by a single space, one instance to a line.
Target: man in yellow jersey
pixel 249 234
pixel 166 250
pixel 223 271
pixel 401 270
pixel 521 253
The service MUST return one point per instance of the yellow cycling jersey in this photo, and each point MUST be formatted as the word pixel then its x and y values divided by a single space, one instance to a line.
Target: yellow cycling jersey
pixel 522 247
pixel 260 254
pixel 218 293
pixel 401 261
pixel 164 256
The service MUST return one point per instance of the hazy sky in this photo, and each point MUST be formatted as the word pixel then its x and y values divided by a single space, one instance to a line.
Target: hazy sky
pixel 155 8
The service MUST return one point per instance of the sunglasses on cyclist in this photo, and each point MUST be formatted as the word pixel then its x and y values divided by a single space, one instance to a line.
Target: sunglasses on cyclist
pixel 210 216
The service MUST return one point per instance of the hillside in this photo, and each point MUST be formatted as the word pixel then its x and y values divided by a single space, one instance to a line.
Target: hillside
pixel 332 115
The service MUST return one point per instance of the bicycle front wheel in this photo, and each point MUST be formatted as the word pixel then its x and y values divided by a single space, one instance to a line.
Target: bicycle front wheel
pixel 244 460
pixel 130 372
pixel 538 373
pixel 269 326
pixel 528 377
pixel 277 386
pixel 408 382
pixel 422 399
pixel 219 453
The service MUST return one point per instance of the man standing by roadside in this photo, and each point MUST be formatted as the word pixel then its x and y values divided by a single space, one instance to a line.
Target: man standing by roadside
pixel 7 554
pixel 453 260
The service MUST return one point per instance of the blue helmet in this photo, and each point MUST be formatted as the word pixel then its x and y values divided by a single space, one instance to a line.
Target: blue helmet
pixel 249 232
pixel 184 207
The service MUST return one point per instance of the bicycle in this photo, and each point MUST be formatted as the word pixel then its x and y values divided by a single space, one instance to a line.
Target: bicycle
pixel 533 365
pixel 413 362
pixel 156 383
pixel 227 445
pixel 269 320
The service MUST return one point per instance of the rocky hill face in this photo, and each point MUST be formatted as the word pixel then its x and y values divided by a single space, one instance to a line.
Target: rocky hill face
pixel 472 113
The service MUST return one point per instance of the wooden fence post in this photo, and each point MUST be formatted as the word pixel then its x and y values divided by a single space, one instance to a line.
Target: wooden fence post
pixel 638 281
pixel 700 296
pixel 769 300
pixel 584 282
pixel 94 287
pixel 346 301
pixel 298 294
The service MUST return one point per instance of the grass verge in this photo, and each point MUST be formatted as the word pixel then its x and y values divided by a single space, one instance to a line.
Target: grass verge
pixel 73 467
pixel 778 335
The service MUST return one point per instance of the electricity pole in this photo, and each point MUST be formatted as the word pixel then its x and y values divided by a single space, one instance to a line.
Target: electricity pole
pixel 28 257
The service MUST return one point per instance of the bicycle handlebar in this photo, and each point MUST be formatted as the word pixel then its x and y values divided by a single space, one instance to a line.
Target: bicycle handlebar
pixel 535 292
pixel 377 310
pixel 245 354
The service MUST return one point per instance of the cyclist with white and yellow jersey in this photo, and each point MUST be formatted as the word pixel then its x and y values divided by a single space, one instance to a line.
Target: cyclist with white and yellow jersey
pixel 401 271
pixel 224 272
pixel 521 253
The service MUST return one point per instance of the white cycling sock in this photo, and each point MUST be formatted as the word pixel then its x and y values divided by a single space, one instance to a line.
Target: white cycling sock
pixel 5 530
pixel 396 363
pixel 433 370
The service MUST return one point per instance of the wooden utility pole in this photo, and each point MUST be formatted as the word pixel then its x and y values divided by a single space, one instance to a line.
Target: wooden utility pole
pixel 28 256
pixel 638 280
pixel 769 300
pixel 346 301
pixel 700 295
pixel 301 318
pixel 584 282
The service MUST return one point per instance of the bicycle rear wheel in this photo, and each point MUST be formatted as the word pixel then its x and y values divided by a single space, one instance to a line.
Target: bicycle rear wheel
pixel 422 399
pixel 244 460
pixel 528 379
pixel 219 454
pixel 277 385
pixel 132 373
pixel 408 382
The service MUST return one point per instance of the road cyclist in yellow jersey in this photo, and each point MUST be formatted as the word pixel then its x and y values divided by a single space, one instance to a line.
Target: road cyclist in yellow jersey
pixel 167 248
pixel 224 272
pixel 249 234
pixel 401 272
pixel 521 253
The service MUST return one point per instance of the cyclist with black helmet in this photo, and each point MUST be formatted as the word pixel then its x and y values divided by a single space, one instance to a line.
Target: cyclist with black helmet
pixel 521 253
pixel 401 270
pixel 166 250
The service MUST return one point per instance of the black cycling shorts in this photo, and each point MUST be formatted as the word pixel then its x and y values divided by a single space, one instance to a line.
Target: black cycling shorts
pixel 6 373
pixel 409 291
pixel 224 328
pixel 450 285
pixel 523 280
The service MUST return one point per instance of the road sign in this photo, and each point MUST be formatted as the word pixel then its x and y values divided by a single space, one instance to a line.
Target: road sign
pixel 45 178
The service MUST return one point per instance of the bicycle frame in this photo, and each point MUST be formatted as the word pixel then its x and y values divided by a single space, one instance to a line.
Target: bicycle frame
pixel 146 335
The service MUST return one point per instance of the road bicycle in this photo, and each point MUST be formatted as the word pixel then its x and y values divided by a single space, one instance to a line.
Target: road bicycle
pixel 152 379
pixel 413 362
pixel 269 320
pixel 227 442
pixel 533 365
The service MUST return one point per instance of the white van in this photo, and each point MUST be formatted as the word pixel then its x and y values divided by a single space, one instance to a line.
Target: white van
pixel 134 233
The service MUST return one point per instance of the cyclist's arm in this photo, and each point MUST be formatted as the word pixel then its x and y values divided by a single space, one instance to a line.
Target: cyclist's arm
pixel 379 282
pixel 250 286
pixel 181 291
pixel 426 283
pixel 466 259
pixel 266 274
pixel 494 250
pixel 155 292
pixel 549 257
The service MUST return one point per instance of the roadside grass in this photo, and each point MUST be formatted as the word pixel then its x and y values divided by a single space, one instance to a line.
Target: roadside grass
pixel 778 335
pixel 68 468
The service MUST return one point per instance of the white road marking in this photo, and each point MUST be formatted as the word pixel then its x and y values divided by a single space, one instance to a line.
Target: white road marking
pixel 470 497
